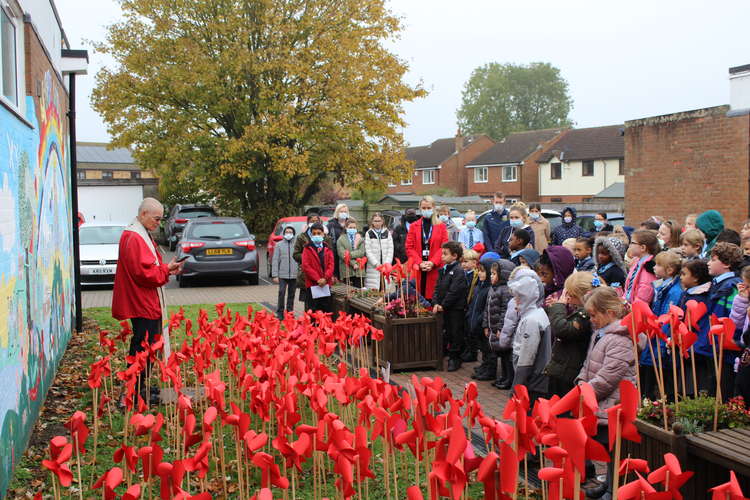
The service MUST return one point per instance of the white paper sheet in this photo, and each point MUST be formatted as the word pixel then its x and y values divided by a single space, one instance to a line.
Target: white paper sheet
pixel 320 291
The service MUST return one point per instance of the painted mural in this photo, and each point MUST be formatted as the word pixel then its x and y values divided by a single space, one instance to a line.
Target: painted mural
pixel 36 265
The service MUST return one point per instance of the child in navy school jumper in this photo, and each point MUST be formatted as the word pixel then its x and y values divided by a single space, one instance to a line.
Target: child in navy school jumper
pixel 696 282
pixel 582 253
pixel 450 299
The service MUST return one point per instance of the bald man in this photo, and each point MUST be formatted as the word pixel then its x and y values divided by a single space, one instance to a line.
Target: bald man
pixel 140 276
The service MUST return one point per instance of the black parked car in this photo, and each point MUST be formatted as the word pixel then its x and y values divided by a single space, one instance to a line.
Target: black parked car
pixel 220 247
pixel 180 215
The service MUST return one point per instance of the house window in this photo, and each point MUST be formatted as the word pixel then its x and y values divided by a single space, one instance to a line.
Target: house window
pixel 391 185
pixel 107 174
pixel 135 175
pixel 587 168
pixel 621 170
pixel 555 170
pixel 8 58
pixel 480 174
pixel 510 173
pixel 407 181
pixel 81 174
pixel 428 177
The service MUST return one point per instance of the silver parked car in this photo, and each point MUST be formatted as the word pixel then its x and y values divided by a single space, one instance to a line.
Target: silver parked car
pixel 219 247
pixel 99 244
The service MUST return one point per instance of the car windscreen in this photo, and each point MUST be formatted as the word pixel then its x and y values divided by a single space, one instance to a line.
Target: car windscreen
pixel 100 235
pixel 218 231
pixel 195 213
pixel 298 225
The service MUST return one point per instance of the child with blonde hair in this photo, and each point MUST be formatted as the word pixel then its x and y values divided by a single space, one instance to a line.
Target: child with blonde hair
pixel 571 332
pixel 691 244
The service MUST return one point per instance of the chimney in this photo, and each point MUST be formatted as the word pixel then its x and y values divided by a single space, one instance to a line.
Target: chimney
pixel 739 88
pixel 459 141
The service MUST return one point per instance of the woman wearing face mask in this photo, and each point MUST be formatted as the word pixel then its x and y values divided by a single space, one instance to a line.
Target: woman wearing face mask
pixel 601 224
pixel 568 228
pixel 424 246
pixel 378 249
pixel 506 245
pixel 444 214
pixel 335 229
pixel 284 271
pixel 351 241
pixel 540 225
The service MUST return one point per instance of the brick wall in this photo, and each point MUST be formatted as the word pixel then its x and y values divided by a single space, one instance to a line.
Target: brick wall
pixel 686 163
pixel 494 183
pixel 529 173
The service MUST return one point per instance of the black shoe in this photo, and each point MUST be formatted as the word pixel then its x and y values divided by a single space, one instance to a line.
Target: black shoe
pixel 484 377
pixel 502 384
pixel 597 491
pixel 469 356
pixel 454 364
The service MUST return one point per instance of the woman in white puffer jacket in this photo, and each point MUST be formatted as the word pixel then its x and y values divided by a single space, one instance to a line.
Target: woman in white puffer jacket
pixel 378 249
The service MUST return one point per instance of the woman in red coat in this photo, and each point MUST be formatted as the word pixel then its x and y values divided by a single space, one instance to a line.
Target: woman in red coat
pixel 423 246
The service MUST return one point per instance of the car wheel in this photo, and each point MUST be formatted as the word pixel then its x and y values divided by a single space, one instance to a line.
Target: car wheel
pixel 172 245
pixel 253 279
pixel 183 282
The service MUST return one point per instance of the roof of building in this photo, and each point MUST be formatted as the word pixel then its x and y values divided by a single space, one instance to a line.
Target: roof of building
pixel 616 190
pixel 588 144
pixel 98 152
pixel 415 198
pixel 436 153
pixel 515 148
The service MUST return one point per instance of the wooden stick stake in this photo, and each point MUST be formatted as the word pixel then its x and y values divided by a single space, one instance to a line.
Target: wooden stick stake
pixel 618 445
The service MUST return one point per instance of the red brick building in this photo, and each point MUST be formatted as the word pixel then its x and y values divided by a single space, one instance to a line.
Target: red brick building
pixel 511 165
pixel 441 165
pixel 689 162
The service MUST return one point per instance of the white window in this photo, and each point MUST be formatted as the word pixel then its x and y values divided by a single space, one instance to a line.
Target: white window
pixel 480 174
pixel 428 177
pixel 407 181
pixel 510 174
pixel 8 58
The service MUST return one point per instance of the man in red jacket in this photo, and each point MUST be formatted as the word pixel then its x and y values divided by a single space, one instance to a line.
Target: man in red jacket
pixel 138 294
pixel 317 266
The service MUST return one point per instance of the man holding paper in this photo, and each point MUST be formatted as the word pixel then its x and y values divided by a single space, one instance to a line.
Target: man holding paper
pixel 140 276
pixel 317 266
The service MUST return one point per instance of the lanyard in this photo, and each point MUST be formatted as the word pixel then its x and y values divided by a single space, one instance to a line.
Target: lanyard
pixel 426 237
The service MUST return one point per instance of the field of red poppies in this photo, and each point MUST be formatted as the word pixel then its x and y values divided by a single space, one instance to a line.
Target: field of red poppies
pixel 270 409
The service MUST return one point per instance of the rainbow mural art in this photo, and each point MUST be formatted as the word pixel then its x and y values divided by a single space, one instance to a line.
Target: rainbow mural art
pixel 36 264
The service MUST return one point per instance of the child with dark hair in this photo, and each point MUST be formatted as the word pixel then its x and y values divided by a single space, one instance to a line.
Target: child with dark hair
pixel 450 299
pixel 610 266
pixel 504 245
pixel 317 265
pixel 730 236
pixel 582 254
pixel 518 242
pixel 475 318
pixel 498 300
pixel 650 225
pixel 643 246
pixel 696 282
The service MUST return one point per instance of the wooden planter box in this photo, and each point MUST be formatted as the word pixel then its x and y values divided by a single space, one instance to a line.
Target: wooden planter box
pixel 710 455
pixel 408 343
pixel 339 300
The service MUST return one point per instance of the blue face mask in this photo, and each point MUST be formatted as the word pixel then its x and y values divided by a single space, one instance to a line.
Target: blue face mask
pixel 351 231
pixel 317 239
pixel 471 224
pixel 535 215
pixel 427 213
pixel 516 222
pixel 288 236
pixel 444 218
pixel 598 224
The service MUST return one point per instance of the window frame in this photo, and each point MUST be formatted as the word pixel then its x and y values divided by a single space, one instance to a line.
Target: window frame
pixel 16 66
pixel 552 166
pixel 481 179
pixel 621 166
pixel 107 175
pixel 408 181
pixel 515 173
pixel 587 163
pixel 431 172
pixel 81 175
pixel 135 174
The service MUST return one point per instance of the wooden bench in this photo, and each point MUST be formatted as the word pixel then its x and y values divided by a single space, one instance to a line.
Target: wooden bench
pixel 713 454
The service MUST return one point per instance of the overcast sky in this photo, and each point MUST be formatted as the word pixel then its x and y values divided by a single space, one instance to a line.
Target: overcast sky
pixel 623 60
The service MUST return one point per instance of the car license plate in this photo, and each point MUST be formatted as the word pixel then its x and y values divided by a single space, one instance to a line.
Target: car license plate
pixel 102 270
pixel 219 251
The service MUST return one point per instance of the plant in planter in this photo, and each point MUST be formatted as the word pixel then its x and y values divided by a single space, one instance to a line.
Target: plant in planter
pixel 691 415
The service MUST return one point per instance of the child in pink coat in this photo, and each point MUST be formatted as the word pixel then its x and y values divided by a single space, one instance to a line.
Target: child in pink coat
pixel 643 246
